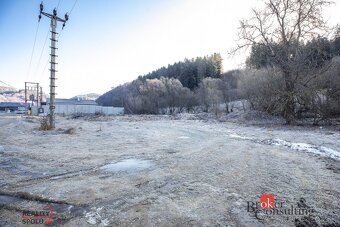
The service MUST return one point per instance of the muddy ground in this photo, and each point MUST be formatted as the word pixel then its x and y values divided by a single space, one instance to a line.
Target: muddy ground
pixel 161 171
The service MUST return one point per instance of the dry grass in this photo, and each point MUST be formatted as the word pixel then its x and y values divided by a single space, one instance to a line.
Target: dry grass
pixel 44 124
pixel 70 131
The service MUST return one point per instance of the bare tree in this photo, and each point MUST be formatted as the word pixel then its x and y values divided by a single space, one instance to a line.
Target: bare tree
pixel 155 96
pixel 210 94
pixel 283 26
pixel 176 95
pixel 263 89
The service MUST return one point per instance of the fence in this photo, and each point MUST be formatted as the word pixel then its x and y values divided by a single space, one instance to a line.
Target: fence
pixel 86 109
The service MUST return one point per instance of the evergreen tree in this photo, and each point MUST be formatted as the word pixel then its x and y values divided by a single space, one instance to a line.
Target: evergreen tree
pixel 190 72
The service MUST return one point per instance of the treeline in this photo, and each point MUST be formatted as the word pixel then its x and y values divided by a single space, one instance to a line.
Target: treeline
pixel 190 72
pixel 313 54
pixel 168 95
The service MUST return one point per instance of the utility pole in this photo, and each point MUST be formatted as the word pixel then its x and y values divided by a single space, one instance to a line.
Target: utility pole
pixel 32 88
pixel 41 97
pixel 54 20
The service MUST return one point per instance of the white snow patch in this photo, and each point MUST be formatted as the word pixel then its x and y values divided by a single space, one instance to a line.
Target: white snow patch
pixel 184 137
pixel 56 177
pixel 69 208
pixel 104 222
pixel 320 150
pixel 93 217
pixel 239 137
pixel 127 165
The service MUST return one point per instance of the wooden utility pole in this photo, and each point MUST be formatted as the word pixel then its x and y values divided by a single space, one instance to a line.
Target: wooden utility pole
pixel 54 20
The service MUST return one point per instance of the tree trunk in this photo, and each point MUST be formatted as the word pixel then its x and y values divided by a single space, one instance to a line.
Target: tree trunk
pixel 227 107
pixel 289 104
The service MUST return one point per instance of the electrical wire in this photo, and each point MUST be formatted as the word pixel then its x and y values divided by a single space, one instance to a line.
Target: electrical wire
pixel 30 64
pixel 75 2
pixel 7 84
pixel 41 53
pixel 58 4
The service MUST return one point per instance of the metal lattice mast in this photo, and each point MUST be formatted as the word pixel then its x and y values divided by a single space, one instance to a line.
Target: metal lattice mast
pixel 54 20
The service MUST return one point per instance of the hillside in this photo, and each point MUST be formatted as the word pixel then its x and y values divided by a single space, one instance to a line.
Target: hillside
pixel 89 96
pixel 185 76
pixel 8 94
pixel 5 88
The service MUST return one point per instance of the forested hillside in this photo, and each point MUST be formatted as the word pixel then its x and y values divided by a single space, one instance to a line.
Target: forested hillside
pixel 190 72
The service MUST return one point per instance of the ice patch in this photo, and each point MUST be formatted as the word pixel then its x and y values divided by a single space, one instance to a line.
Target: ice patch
pixel 127 165
pixel 1 148
pixel 184 137
pixel 320 150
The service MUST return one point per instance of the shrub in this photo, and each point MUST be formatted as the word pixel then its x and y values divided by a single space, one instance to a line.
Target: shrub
pixel 44 124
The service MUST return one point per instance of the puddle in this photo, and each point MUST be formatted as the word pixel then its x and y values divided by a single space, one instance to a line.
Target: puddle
pixel 128 165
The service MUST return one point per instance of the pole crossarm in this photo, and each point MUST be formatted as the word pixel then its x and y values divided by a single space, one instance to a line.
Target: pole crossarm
pixel 53 17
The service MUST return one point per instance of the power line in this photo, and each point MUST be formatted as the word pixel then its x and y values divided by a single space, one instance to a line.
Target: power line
pixel 7 84
pixel 35 39
pixel 42 51
pixel 75 2
pixel 58 4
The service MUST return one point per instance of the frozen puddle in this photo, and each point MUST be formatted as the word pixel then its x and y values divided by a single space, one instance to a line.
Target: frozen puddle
pixel 128 165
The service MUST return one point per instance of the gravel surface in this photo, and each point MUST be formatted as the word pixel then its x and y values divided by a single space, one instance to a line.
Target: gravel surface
pixel 166 171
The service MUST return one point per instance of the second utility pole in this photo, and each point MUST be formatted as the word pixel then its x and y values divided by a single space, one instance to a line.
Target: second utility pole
pixel 54 20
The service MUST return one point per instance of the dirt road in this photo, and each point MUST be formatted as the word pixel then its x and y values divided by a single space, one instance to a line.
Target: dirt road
pixel 155 171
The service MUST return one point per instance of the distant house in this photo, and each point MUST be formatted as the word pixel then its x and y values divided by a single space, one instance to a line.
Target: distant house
pixel 7 92
pixel 12 106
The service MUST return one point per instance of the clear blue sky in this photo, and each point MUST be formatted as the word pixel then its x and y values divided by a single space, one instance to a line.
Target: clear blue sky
pixel 109 42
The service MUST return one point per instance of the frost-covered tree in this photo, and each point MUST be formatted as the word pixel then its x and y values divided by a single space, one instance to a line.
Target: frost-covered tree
pixel 282 27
